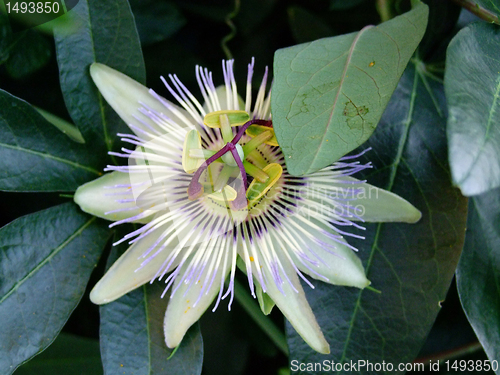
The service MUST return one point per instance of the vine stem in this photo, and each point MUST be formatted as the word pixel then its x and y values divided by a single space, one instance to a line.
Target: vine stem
pixel 264 322
pixel 479 11
pixel 232 33
pixel 384 10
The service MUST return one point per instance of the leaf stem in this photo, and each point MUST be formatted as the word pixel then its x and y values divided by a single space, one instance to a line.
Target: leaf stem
pixel 65 8
pixel 384 10
pixel 479 11
pixel 372 289
pixel 264 322
pixel 173 352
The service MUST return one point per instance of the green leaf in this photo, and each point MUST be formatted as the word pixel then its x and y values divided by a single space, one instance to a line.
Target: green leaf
pixel 490 7
pixel 5 38
pixel 68 355
pixel 328 95
pixel 411 264
pixel 132 339
pixel 478 272
pixel 34 155
pixel 46 259
pixel 472 83
pixel 22 52
pixel 106 33
pixel 29 52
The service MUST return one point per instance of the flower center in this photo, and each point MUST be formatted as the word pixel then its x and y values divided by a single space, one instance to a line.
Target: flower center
pixel 224 175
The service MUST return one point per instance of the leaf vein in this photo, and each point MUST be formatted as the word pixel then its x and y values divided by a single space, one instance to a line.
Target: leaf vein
pixel 49 156
pixel 51 255
pixel 337 95
pixel 379 226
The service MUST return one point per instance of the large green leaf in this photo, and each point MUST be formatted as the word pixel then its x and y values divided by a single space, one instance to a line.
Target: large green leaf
pixel 68 355
pixel 411 264
pixel 105 33
pixel 5 38
pixel 328 95
pixel 22 52
pixel 132 338
pixel 472 83
pixel 45 260
pixel 34 155
pixel 29 52
pixel 478 273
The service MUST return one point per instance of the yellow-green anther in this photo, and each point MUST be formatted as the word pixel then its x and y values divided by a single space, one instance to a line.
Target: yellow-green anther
pixel 256 159
pixel 257 190
pixel 192 141
pixel 223 177
pixel 225 127
pixel 228 194
pixel 255 172
pixel 236 118
pixel 201 153
pixel 255 130
pixel 257 141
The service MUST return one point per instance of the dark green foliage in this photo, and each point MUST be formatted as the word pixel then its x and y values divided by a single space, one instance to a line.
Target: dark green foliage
pixel 418 151
pixel 46 259
pixel 411 265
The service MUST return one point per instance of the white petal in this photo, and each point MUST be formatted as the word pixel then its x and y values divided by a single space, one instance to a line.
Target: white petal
pixel 99 197
pixel 126 96
pixel 294 306
pixel 187 305
pixel 126 274
pixel 373 204
pixel 333 258
pixel 155 167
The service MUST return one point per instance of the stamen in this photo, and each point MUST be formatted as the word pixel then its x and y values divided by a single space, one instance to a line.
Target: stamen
pixel 225 128
pixel 228 194
pixel 236 118
pixel 195 189
pixel 192 141
pixel 256 141
pixel 256 190
pixel 255 172
pixel 223 177
pixel 257 159
pixel 256 130
pixel 229 159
